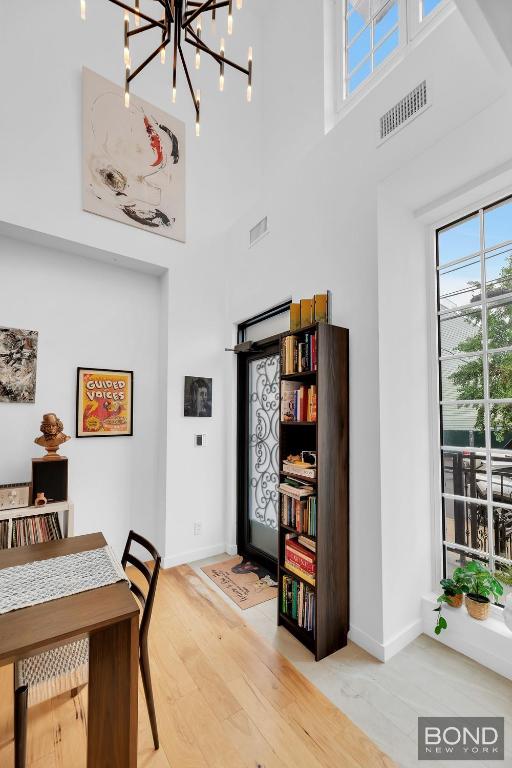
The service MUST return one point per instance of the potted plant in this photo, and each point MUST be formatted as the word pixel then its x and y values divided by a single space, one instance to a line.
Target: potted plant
pixel 453 591
pixel 481 584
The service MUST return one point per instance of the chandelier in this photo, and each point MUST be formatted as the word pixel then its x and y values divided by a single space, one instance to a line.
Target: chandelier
pixel 177 22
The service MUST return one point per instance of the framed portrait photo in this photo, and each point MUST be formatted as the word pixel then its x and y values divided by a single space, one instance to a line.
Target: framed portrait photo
pixel 104 403
pixel 198 396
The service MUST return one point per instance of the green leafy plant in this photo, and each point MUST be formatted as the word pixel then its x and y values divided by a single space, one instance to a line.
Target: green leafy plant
pixel 470 579
pixel 505 576
pixel 480 581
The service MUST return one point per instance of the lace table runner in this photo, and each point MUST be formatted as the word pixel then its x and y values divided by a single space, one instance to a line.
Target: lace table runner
pixel 45 580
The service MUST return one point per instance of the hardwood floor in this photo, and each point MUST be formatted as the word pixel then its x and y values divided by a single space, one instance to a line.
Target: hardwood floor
pixel 224 699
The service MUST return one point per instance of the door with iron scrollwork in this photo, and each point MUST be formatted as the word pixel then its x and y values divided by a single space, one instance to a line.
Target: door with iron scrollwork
pixel 258 445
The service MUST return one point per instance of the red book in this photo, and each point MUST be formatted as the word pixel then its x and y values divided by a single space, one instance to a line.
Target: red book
pixel 300 550
pixel 300 562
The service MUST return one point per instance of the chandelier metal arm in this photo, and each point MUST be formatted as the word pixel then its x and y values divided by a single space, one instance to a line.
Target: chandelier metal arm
pixel 189 18
pixel 189 81
pixel 197 43
pixel 146 61
pixel 136 30
pixel 138 13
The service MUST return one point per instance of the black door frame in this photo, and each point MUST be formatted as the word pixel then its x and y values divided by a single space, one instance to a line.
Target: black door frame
pixel 259 349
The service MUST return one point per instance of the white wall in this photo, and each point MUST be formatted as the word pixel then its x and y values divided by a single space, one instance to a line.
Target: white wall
pixel 335 223
pixel 87 314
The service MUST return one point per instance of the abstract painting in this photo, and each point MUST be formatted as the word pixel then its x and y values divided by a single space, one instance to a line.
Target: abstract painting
pixel 18 362
pixel 198 396
pixel 104 402
pixel 133 160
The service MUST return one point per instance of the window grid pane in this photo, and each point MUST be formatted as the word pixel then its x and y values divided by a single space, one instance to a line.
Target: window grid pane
pixel 372 33
pixel 475 380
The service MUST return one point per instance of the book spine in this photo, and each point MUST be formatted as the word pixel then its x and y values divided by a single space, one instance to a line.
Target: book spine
pixel 300 562
pixel 299 572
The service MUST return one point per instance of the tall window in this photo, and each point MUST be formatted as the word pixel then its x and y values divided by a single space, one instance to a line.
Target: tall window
pixel 474 273
pixel 371 34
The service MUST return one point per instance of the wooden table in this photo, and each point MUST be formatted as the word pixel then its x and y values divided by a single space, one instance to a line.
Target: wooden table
pixel 110 617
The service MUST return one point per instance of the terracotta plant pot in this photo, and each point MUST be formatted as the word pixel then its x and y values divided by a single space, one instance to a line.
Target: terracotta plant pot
pixel 478 606
pixel 40 500
pixel 454 600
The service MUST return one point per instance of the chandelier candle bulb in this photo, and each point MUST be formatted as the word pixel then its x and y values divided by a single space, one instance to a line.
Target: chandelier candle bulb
pixel 174 94
pixel 127 89
pixel 198 52
pixel 214 16
pixel 162 55
pixel 221 76
pixel 230 17
pixel 198 112
pixel 239 4
pixel 126 41
pixel 249 76
pixel 137 17
pixel 82 10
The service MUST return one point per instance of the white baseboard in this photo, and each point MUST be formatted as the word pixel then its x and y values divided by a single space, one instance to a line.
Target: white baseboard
pixel 487 642
pixel 366 642
pixel 193 554
pixel 385 651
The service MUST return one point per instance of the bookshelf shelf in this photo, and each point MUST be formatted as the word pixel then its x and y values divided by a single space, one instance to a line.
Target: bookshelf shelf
pixel 298 376
pixel 64 509
pixel 298 423
pixel 300 633
pixel 328 436
pixel 289 529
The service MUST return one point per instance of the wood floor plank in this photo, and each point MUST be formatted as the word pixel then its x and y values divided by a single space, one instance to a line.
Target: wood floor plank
pixel 223 697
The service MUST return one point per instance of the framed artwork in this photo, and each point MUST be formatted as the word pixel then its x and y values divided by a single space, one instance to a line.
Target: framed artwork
pixel 133 160
pixel 104 402
pixel 18 363
pixel 198 396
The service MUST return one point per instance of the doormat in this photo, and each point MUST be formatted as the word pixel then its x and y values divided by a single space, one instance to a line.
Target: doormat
pixel 246 583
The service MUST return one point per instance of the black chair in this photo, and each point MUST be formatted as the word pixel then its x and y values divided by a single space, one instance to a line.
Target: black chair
pixel 146 601
pixel 66 668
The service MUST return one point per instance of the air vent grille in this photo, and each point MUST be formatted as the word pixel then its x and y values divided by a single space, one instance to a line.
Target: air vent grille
pixel 257 232
pixel 405 110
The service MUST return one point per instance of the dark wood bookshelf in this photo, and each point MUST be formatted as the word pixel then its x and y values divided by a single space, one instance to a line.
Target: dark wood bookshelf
pixel 329 437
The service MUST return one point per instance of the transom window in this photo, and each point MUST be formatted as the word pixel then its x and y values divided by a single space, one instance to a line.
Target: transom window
pixel 374 30
pixel 371 35
pixel 474 277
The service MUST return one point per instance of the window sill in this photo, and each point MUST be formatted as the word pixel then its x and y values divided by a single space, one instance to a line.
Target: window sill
pixel 487 642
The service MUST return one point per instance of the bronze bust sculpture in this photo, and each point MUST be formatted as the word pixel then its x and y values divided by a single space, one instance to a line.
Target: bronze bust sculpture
pixel 52 437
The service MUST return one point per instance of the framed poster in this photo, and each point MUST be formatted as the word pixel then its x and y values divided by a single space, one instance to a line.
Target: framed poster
pixel 18 362
pixel 104 402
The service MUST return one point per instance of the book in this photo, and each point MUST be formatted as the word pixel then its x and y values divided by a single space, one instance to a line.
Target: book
pixel 299 468
pixel 294 317
pixel 306 312
pixel 307 542
pixel 299 572
pixel 291 490
pixel 288 389
pixel 35 529
pixel 321 307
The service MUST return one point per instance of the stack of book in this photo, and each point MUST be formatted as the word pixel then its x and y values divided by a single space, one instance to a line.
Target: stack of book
pixel 296 488
pixel 36 529
pixel 299 559
pixel 298 354
pixel 298 402
pixel 4 534
pixel 299 514
pixel 298 602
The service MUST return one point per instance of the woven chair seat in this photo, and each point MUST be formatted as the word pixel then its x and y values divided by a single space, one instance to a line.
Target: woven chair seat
pixel 54 672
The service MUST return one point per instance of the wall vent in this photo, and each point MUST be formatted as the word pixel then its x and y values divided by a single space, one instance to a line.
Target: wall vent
pixel 258 231
pixel 407 108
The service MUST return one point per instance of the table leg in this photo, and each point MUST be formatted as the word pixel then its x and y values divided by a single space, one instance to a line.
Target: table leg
pixel 113 683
